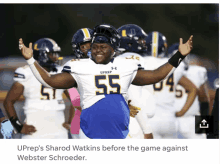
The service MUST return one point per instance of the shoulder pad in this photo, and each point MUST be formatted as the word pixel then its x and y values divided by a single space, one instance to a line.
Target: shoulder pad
pixel 72 65
pixel 22 73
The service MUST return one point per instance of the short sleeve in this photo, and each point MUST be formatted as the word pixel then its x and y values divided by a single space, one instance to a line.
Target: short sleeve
pixel 70 66
pixel 21 74
pixel 67 67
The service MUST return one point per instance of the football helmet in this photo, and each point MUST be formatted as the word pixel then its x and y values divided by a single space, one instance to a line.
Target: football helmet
pixel 213 79
pixel 156 44
pixel 132 38
pixel 82 36
pixel 42 48
pixel 105 33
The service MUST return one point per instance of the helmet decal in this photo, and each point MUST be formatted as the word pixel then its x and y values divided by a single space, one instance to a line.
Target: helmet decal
pixel 124 33
pixel 86 33
pixel 35 47
pixel 83 35
pixel 155 44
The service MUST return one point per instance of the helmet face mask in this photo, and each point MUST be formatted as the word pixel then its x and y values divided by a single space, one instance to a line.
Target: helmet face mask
pixel 106 34
pixel 132 38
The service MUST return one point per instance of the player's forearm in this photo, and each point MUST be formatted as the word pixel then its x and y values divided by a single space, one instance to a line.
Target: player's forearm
pixel 2 119
pixel 71 114
pixel 9 108
pixel 58 81
pixel 203 93
pixel 146 77
pixel 43 73
pixel 189 101
pixel 163 72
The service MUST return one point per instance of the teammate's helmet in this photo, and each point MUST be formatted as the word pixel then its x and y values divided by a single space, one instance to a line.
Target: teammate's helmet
pixel 213 79
pixel 82 36
pixel 132 38
pixel 156 44
pixel 41 48
pixel 106 34
pixel 173 49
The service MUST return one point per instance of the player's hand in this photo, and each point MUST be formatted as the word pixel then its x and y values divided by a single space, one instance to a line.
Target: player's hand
pixel 27 52
pixel 133 109
pixel 185 49
pixel 78 107
pixel 179 114
pixel 66 125
pixel 148 136
pixel 28 129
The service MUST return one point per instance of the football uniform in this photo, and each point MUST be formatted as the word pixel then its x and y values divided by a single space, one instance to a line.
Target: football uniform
pixel 139 98
pixel 164 121
pixel 43 107
pixel 186 123
pixel 103 95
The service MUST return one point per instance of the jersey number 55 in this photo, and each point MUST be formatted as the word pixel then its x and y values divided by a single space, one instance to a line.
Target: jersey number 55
pixel 111 88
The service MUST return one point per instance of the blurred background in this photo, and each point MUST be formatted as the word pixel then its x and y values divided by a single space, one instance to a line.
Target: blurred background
pixel 60 21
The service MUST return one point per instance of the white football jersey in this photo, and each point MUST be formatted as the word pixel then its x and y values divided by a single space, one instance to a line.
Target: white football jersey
pixel 134 92
pixel 198 76
pixel 164 91
pixel 96 80
pixel 138 94
pixel 38 97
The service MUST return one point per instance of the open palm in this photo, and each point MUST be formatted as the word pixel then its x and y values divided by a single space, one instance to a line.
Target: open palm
pixel 27 52
pixel 186 48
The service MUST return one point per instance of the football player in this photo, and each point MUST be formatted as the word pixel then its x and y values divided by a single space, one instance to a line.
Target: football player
pixel 103 81
pixel 133 40
pixel 6 127
pixel 43 106
pixel 81 43
pixel 198 76
pixel 164 121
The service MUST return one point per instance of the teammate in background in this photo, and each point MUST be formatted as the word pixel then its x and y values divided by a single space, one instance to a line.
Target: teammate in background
pixel 164 121
pixel 81 44
pixel 6 127
pixel 133 43
pixel 103 86
pixel 43 106
pixel 198 76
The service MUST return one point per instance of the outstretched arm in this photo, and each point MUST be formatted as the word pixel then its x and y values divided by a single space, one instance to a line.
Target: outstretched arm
pixel 144 77
pixel 59 81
